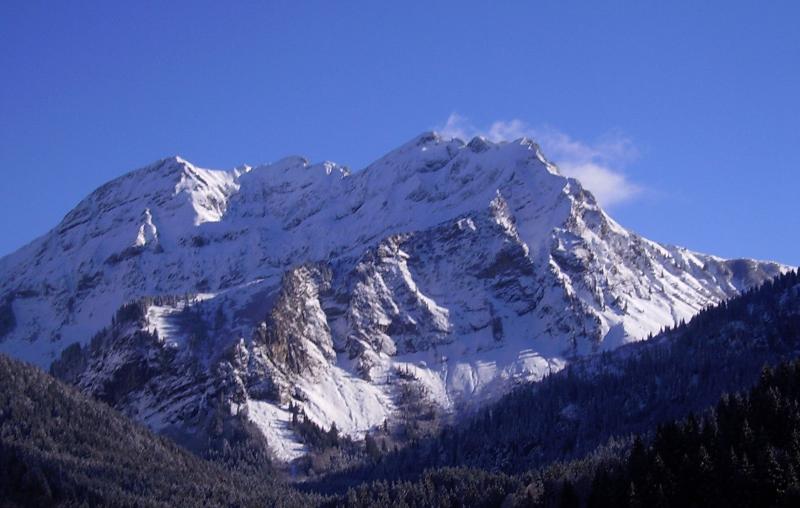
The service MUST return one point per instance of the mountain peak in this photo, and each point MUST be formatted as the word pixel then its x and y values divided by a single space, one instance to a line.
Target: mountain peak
pixel 426 137
pixel 479 144
pixel 288 163
pixel 462 268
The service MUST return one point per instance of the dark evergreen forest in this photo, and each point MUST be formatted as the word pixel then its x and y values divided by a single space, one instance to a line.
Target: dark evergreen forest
pixel 745 451
pixel 58 447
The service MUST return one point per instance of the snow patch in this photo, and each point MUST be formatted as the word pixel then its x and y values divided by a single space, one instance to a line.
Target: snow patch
pixel 274 422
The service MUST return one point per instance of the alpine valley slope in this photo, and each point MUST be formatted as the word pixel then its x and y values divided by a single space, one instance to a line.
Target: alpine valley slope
pixel 445 269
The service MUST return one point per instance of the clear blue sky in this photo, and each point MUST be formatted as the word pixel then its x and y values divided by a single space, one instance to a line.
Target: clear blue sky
pixel 706 94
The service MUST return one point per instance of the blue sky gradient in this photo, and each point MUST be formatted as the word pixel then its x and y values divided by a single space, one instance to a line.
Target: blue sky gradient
pixel 695 108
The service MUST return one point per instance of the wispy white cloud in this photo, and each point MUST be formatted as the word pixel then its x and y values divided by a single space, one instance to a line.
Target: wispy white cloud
pixel 457 126
pixel 598 165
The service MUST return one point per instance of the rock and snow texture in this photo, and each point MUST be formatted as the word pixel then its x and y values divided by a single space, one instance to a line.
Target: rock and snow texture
pixel 460 267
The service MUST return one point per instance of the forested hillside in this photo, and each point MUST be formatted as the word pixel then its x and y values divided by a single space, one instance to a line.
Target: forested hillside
pixel 58 447
pixel 743 452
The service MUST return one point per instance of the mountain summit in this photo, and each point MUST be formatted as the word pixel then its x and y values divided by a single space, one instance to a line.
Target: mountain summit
pixel 444 272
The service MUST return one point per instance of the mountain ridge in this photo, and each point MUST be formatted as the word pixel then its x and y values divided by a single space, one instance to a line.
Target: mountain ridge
pixel 458 269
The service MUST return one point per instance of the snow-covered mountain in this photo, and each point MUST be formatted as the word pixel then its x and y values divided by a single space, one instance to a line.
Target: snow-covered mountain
pixel 445 269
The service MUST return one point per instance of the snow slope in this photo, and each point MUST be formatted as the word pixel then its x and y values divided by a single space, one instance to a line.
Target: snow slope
pixel 458 268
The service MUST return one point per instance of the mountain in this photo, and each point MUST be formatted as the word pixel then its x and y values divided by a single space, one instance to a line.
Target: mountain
pixel 633 389
pixel 61 448
pixel 433 280
pixel 58 446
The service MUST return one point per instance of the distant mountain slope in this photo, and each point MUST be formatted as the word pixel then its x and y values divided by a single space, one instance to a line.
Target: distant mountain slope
pixel 630 390
pixel 446 269
pixel 743 452
pixel 58 447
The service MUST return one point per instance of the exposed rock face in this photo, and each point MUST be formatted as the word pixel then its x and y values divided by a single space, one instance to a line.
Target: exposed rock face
pixel 295 336
pixel 459 268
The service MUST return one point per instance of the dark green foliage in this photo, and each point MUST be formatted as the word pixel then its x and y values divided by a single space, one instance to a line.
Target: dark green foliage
pixel 371 446
pixel 7 318
pixel 328 450
pixel 744 452
pixel 314 436
pixel 134 312
pixel 59 447
pixel 451 487
pixel 70 364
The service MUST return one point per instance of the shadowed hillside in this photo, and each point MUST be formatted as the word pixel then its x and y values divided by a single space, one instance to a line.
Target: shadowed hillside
pixel 58 447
